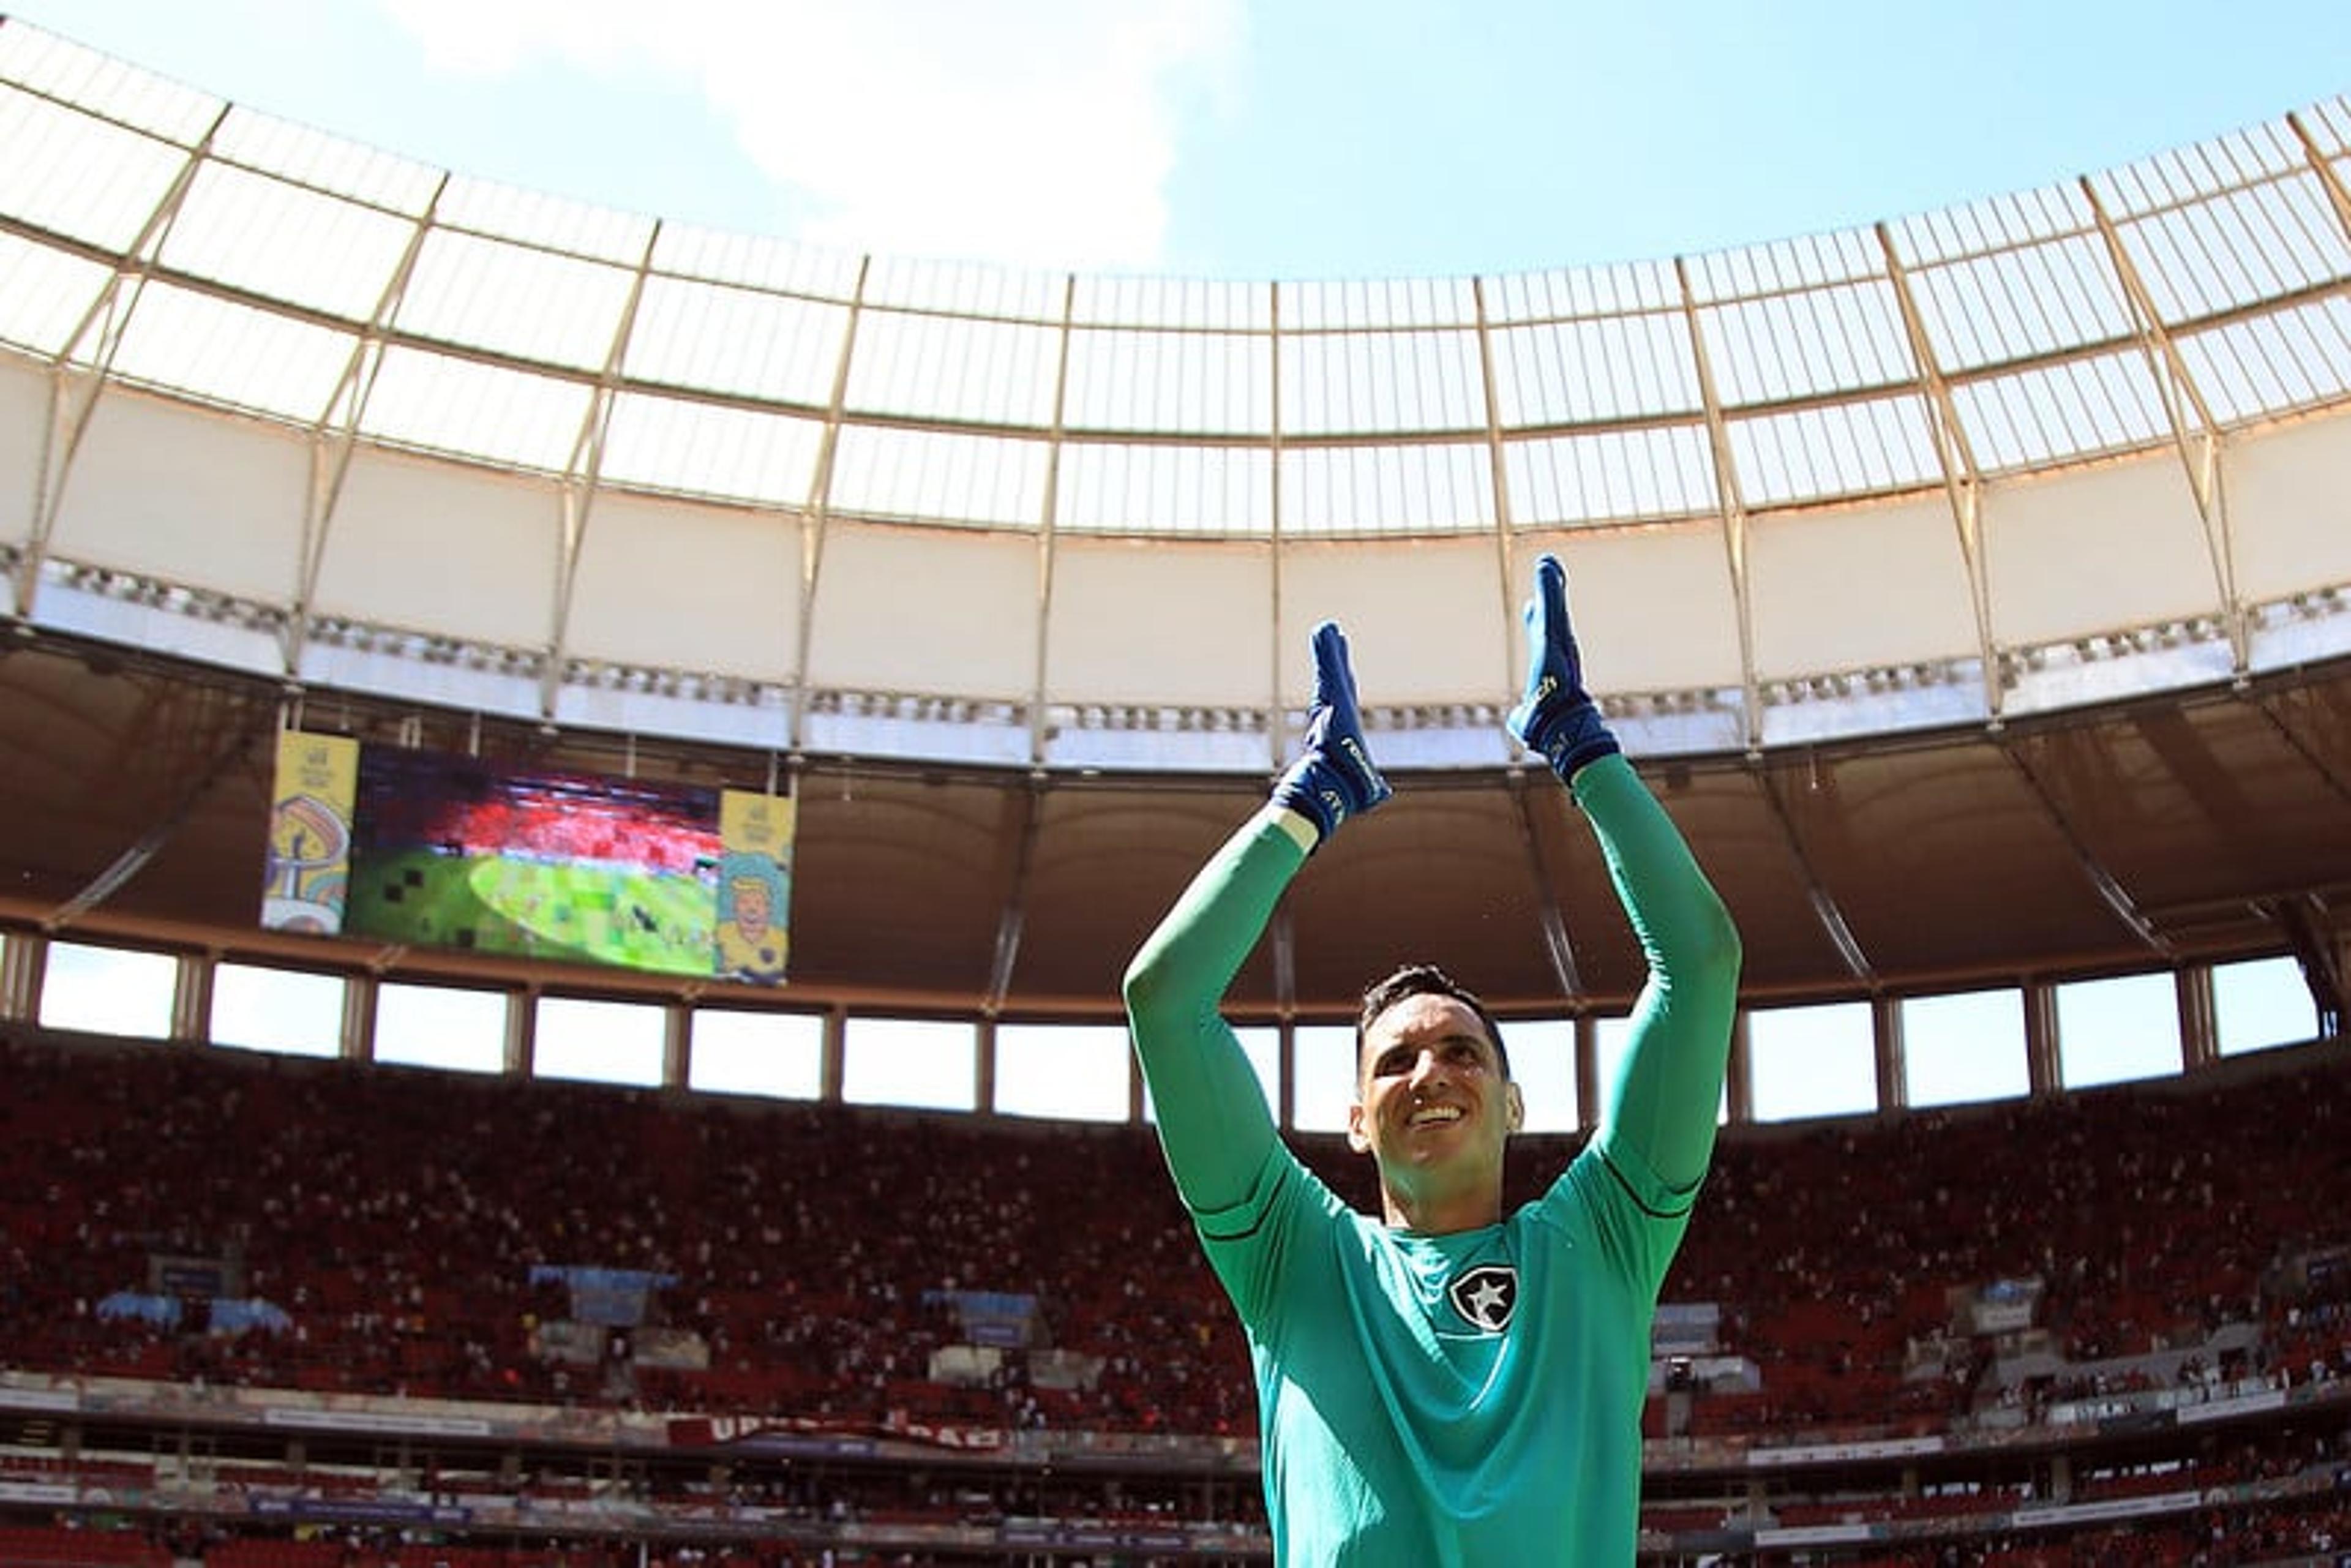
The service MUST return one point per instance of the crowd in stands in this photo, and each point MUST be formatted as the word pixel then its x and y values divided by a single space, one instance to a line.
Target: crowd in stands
pixel 397 1215
pixel 2149 1215
pixel 217 1546
pixel 426 801
pixel 2310 1530
pixel 2311 1533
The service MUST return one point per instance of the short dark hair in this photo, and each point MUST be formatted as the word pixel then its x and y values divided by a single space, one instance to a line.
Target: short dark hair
pixel 1424 980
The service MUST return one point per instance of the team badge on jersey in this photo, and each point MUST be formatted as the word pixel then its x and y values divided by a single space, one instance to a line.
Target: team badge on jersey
pixel 1485 1295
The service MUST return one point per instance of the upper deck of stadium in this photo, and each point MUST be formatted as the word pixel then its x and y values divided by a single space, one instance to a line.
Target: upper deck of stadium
pixel 1988 558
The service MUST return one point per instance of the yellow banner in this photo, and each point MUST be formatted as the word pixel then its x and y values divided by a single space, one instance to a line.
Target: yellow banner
pixel 308 869
pixel 755 887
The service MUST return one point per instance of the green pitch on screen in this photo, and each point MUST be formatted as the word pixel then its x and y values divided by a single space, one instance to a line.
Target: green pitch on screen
pixel 512 908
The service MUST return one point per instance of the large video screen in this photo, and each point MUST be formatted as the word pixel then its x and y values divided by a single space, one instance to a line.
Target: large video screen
pixel 451 851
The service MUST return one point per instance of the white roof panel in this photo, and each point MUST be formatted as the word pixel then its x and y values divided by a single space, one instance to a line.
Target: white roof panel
pixel 440 403
pixel 87 179
pixel 939 476
pixel 1852 448
pixel 547 222
pixel 512 300
pixel 1362 382
pixel 2040 417
pixel 1193 383
pixel 712 450
pixel 45 293
pixel 279 241
pixel 331 165
pixel 1198 304
pixel 1591 371
pixel 233 354
pixel 756 261
pixel 941 368
pixel 1109 488
pixel 1813 343
pixel 1394 487
pixel 741 341
pixel 105 87
pixel 2273 364
pixel 1610 475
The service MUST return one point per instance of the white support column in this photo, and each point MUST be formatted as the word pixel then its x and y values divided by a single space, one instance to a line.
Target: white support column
pixel 23 960
pixel 1588 1091
pixel 191 997
pixel 1275 742
pixel 1739 1082
pixel 1890 1054
pixel 522 1031
pixel 2193 432
pixel 74 389
pixel 581 474
pixel 1733 508
pixel 1955 455
pixel 677 1043
pixel 2199 1023
pixel 833 1064
pixel 1050 510
pixel 2043 1051
pixel 359 994
pixel 1497 475
pixel 820 500
pixel 334 435
pixel 1285 1102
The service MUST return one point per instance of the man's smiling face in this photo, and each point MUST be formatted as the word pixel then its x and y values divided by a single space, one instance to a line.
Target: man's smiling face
pixel 1434 1107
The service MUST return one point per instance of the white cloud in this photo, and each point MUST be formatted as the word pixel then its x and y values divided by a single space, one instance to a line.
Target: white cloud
pixel 1039 133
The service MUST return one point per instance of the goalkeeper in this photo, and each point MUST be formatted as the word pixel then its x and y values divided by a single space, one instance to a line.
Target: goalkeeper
pixel 1446 1384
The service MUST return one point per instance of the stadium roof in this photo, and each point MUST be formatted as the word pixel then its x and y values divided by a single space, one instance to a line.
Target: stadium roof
pixel 273 266
pixel 1974 581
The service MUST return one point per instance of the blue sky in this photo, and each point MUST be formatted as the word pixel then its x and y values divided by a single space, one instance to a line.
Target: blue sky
pixel 1252 138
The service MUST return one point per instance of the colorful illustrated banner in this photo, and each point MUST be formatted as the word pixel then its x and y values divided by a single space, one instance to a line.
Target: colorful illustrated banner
pixel 755 887
pixel 309 870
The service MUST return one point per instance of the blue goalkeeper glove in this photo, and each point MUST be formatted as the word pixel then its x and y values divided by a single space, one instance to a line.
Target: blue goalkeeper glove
pixel 1557 717
pixel 1336 777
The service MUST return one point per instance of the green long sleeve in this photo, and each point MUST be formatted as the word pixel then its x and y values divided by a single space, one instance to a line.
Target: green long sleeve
pixel 1213 1119
pixel 1669 1090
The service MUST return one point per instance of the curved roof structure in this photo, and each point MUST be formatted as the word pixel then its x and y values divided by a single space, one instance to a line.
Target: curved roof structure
pixel 1977 580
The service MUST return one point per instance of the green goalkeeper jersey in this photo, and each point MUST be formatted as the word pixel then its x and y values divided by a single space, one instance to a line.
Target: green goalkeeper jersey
pixel 1473 1397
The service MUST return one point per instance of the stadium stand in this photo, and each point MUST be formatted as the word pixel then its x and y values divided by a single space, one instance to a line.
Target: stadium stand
pixel 2177 1354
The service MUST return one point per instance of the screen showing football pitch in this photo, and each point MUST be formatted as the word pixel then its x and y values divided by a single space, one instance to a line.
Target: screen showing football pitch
pixel 451 851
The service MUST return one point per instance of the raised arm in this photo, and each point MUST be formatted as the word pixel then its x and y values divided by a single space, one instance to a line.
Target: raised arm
pixel 1212 1116
pixel 1663 1108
